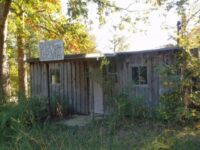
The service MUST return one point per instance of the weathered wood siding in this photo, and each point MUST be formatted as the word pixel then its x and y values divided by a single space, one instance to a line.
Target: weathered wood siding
pixel 78 92
pixel 38 76
pixel 149 92
pixel 71 94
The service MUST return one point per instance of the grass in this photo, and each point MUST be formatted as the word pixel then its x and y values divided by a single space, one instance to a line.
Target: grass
pixel 21 129
pixel 101 135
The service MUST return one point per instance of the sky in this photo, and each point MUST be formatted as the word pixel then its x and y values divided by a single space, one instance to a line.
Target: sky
pixel 154 34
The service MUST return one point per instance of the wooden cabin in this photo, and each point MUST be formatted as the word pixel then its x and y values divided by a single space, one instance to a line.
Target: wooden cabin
pixel 77 83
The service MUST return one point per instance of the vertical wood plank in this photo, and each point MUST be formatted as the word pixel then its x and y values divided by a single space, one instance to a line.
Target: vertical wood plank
pixel 42 81
pixel 65 88
pixel 85 87
pixel 74 87
pixel 157 80
pixel 61 89
pixel 78 86
pixel 149 79
pixel 69 85
pixel 82 89
pixel 91 90
pixel 51 67
pixel 36 80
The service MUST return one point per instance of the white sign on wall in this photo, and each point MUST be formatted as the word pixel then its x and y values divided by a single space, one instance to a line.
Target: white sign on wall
pixel 51 50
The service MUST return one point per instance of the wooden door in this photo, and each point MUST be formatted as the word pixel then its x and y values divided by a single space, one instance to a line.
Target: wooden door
pixel 55 89
pixel 98 98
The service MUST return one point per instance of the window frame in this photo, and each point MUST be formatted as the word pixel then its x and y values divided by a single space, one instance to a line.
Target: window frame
pixel 139 75
pixel 53 72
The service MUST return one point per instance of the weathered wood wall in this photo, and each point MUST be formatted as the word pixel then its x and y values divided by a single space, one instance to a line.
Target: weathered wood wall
pixel 77 91
pixel 149 92
pixel 72 94
pixel 38 75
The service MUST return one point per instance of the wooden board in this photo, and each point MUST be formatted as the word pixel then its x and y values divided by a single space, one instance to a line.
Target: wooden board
pixel 79 90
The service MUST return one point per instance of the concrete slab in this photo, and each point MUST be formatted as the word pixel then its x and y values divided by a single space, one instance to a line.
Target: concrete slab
pixel 77 121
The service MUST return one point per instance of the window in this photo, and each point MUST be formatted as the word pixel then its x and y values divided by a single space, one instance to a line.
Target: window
pixel 55 76
pixel 139 75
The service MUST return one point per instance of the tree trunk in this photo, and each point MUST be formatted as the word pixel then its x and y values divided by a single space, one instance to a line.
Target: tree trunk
pixel 4 67
pixel 22 74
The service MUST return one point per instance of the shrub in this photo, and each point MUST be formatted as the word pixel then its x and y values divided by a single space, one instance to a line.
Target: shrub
pixel 59 108
pixel 126 107
pixel 169 103
pixel 22 115
pixel 172 108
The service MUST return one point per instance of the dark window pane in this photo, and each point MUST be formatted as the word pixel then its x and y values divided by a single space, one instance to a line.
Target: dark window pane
pixel 57 76
pixel 143 75
pixel 135 75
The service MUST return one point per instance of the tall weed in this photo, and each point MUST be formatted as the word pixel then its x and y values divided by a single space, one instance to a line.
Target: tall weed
pixel 16 117
pixel 126 109
pixel 172 109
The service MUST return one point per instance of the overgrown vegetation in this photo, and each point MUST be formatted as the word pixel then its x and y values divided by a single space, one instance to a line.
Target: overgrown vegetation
pixel 23 126
pixel 181 99
pixel 125 107
pixel 19 117
pixel 131 125
pixel 26 125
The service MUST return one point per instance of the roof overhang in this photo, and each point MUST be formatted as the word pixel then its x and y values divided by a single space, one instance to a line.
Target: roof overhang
pixel 97 56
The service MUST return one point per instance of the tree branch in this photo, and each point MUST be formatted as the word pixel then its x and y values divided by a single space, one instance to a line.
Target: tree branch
pixel 193 15
pixel 124 8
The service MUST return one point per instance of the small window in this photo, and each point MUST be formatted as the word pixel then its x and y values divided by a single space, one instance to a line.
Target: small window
pixel 139 75
pixel 55 76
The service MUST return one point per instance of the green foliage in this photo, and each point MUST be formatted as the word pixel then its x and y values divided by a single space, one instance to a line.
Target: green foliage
pixel 188 115
pixel 43 20
pixel 15 117
pixel 125 108
pixel 169 104
pixel 185 103
pixel 76 39
pixel 21 129
pixel 171 108
pixel 77 9
pixel 97 136
pixel 181 99
pixel 169 75
pixel 35 21
pixel 13 71
pixel 58 108
pixel 38 107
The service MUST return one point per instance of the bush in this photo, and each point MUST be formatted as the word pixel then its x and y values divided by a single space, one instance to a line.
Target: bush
pixel 169 103
pixel 15 117
pixel 172 108
pixel 133 108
